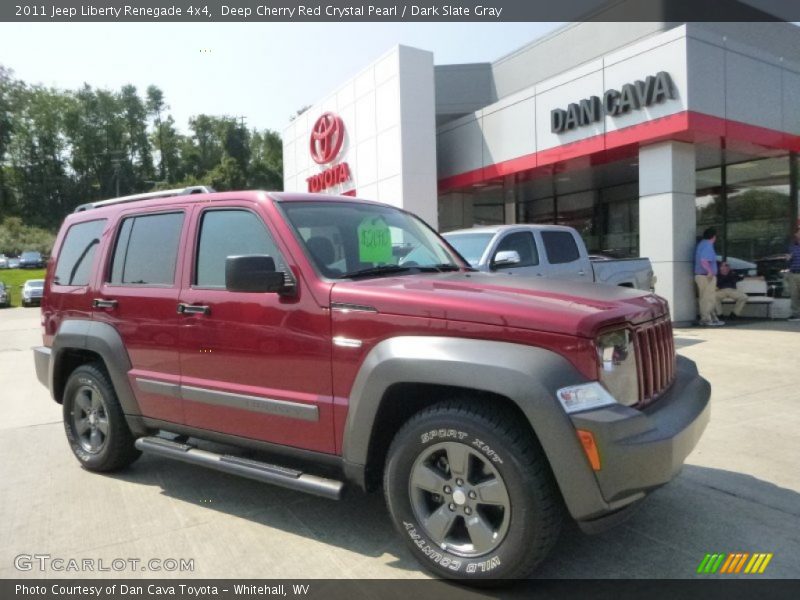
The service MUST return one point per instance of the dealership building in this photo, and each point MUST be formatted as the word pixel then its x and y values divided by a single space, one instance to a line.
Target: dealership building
pixel 639 135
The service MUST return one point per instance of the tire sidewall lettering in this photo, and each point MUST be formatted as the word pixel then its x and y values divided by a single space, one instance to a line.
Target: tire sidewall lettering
pixel 449 434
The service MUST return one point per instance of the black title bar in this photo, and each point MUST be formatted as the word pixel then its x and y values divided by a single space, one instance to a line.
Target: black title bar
pixel 348 589
pixel 397 10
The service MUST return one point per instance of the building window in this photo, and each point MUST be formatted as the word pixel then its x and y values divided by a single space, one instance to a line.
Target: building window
pixel 619 221
pixel 709 203
pixel 579 212
pixel 537 211
pixel 758 208
pixel 750 204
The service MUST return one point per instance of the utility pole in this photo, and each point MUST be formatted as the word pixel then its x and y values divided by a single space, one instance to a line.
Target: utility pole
pixel 117 164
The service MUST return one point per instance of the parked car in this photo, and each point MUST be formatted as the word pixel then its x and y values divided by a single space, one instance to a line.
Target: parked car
pixel 3 261
pixel 31 260
pixel 774 269
pixel 5 295
pixel 548 251
pixel 32 292
pixel 286 325
pixel 13 262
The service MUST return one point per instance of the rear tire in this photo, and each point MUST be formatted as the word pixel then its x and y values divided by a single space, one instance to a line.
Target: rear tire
pixel 95 425
pixel 471 493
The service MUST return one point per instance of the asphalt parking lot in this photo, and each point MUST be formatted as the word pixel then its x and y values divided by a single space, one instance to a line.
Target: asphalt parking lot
pixel 739 492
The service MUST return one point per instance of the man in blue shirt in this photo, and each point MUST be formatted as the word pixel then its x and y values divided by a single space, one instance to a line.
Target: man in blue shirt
pixel 793 276
pixel 705 276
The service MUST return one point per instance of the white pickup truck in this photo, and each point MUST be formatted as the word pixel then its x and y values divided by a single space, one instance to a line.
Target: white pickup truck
pixel 551 251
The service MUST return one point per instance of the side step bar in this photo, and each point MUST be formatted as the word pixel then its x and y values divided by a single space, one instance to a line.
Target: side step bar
pixel 244 467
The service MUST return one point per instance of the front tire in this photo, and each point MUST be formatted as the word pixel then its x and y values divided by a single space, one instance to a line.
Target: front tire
pixel 94 422
pixel 471 492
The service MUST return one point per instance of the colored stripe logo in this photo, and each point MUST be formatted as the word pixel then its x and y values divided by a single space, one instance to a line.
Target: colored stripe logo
pixel 734 563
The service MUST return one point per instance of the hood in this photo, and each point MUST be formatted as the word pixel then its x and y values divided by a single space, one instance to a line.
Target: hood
pixel 565 307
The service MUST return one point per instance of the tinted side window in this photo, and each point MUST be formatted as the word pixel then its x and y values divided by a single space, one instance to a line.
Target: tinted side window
pixel 225 233
pixel 147 250
pixel 76 257
pixel 560 247
pixel 522 243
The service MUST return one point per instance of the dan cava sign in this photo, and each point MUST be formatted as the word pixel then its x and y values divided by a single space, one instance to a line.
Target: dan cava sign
pixel 655 89
pixel 325 144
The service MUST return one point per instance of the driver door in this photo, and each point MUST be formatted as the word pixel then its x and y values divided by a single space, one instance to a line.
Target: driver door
pixel 524 245
pixel 254 365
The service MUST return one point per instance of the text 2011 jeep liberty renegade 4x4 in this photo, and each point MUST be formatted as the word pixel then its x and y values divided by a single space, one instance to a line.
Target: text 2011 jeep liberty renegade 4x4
pixel 348 338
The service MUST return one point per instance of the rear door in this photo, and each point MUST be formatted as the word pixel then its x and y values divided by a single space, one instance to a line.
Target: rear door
pixel 565 255
pixel 254 365
pixel 138 296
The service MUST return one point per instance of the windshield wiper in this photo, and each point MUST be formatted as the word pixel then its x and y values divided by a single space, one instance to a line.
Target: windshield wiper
pixel 393 269
pixel 379 270
pixel 440 268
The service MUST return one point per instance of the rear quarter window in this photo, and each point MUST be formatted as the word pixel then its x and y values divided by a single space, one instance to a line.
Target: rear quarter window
pixel 76 258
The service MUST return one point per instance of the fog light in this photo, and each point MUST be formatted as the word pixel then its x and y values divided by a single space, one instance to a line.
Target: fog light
pixel 586 396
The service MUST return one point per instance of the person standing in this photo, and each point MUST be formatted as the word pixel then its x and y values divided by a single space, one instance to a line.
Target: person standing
pixel 793 276
pixel 726 290
pixel 705 276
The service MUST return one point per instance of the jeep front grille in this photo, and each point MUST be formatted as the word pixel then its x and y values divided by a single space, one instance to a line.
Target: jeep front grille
pixel 655 359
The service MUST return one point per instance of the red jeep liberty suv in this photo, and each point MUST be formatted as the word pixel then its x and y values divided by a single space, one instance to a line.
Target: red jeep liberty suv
pixel 329 340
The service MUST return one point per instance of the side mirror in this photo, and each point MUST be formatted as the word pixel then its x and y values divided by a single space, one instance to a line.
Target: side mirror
pixel 253 273
pixel 505 259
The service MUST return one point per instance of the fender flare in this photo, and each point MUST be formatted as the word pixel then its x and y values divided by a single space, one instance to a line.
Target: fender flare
pixel 105 341
pixel 527 375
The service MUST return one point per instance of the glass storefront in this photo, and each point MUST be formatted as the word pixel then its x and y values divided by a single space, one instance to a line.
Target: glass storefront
pixel 747 201
pixel 750 205
pixel 606 217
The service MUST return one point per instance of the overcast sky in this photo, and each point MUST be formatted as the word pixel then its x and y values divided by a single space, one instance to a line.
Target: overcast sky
pixel 261 71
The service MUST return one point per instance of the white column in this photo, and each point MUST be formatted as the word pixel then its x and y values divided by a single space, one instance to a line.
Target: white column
pixel 667 222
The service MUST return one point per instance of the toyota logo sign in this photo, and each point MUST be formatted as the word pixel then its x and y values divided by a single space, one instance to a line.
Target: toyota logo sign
pixel 327 137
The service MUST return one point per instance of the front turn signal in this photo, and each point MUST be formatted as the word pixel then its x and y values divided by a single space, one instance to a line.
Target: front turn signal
pixel 589 448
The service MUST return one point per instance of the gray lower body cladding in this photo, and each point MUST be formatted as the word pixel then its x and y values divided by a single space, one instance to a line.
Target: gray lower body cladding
pixel 641 450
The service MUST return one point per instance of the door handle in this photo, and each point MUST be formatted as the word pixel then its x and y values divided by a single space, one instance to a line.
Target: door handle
pixel 100 303
pixel 581 272
pixel 193 309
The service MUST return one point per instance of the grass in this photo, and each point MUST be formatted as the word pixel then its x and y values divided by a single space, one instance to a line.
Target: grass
pixel 14 278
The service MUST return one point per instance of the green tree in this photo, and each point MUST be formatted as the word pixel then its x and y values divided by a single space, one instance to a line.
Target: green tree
pixel 61 148
pixel 266 167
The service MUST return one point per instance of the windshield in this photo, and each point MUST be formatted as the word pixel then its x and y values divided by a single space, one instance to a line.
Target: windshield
pixel 36 284
pixel 470 245
pixel 30 255
pixel 349 239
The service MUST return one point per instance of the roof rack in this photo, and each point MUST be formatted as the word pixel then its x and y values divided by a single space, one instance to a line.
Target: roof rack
pixel 193 189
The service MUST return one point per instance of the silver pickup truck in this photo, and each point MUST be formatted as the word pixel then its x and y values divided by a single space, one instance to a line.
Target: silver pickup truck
pixel 551 251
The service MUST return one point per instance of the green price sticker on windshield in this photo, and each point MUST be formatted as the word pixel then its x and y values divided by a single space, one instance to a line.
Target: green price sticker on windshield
pixel 374 241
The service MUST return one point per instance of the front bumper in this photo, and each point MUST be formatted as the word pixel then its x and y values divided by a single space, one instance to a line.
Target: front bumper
pixel 643 449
